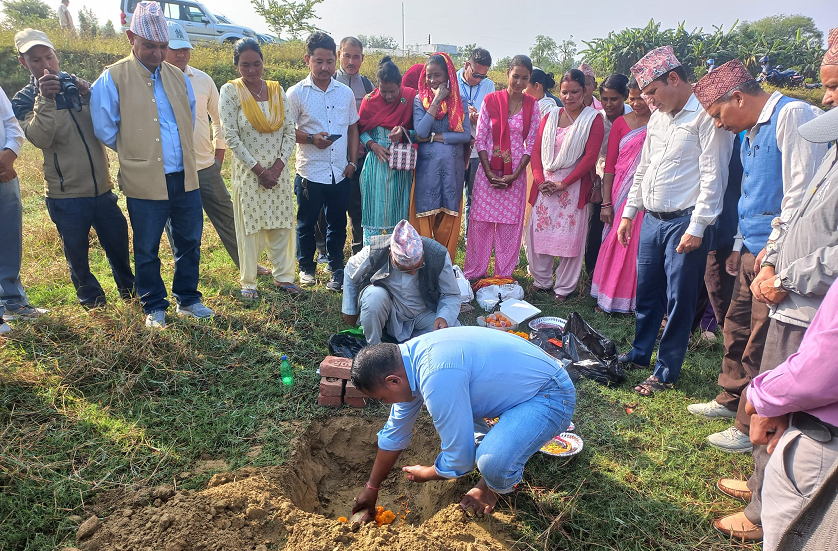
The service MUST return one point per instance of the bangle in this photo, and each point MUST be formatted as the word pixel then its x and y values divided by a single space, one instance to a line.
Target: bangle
pixel 607 205
pixel 353 165
pixel 264 170
pixel 371 487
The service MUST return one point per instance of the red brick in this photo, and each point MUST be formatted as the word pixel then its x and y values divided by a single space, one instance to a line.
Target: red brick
pixel 355 402
pixel 330 401
pixel 332 366
pixel 352 392
pixel 329 386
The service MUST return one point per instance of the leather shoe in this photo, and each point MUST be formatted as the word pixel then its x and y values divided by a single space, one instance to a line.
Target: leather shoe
pixel 628 364
pixel 738 527
pixel 734 488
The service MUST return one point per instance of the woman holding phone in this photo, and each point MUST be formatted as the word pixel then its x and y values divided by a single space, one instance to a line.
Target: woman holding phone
pixel 443 131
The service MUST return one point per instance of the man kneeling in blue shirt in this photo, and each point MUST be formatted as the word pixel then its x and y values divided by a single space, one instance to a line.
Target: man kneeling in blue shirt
pixel 464 375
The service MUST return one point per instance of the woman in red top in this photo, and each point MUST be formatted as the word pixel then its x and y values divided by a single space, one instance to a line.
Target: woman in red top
pixel 566 149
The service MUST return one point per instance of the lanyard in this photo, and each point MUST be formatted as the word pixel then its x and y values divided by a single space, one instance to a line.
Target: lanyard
pixel 470 90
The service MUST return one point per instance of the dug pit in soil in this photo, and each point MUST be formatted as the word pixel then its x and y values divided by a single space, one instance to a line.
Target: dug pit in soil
pixel 295 507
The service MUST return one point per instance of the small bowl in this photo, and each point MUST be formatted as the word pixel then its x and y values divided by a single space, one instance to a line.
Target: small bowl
pixel 547 322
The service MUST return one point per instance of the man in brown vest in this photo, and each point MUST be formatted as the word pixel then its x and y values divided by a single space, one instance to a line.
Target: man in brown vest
pixel 144 109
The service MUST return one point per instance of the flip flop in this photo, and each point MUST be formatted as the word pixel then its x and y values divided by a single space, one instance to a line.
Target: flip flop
pixel 250 294
pixel 262 271
pixel 651 386
pixel 290 288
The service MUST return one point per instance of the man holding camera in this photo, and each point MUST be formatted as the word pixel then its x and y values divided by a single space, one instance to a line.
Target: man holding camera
pixel 55 115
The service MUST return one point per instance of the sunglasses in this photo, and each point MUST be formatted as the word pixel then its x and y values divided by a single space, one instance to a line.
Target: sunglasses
pixel 477 75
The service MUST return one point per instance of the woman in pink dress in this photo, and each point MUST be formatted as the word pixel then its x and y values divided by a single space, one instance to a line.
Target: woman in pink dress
pixel 506 132
pixel 565 152
pixel 615 276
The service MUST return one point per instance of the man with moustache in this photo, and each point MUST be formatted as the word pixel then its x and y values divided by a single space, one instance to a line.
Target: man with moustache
pixel 144 109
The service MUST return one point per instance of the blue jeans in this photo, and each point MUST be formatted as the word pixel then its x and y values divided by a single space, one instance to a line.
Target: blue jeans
pixel 148 218
pixel 667 283
pixel 12 295
pixel 311 197
pixel 471 173
pixel 73 217
pixel 522 430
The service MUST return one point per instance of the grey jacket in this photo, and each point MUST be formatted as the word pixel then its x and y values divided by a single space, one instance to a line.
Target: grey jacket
pixel 805 255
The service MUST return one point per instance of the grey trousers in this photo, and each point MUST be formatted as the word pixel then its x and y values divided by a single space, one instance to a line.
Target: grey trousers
pixel 376 309
pixel 12 295
pixel 219 208
pixel 783 340
pixel 797 468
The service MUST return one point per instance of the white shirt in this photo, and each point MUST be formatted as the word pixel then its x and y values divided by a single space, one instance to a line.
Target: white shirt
pixel 11 135
pixel 684 164
pixel 65 19
pixel 800 158
pixel 206 108
pixel 316 111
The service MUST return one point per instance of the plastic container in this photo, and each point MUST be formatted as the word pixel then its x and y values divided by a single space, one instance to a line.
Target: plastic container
pixel 285 371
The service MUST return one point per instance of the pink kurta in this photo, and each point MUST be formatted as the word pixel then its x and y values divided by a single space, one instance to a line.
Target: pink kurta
pixel 496 219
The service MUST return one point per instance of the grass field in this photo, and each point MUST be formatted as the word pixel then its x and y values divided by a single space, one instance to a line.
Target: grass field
pixel 94 402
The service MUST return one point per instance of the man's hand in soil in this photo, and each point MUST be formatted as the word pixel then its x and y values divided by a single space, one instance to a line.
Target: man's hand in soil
pixel 366 500
pixel 420 473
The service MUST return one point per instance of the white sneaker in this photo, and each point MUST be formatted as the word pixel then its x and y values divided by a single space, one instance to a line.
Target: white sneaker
pixel 731 440
pixel 197 310
pixel 307 278
pixel 26 313
pixel 156 319
pixel 4 327
pixel 711 409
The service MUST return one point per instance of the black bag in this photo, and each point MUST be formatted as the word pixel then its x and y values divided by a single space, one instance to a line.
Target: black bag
pixel 345 345
pixel 593 355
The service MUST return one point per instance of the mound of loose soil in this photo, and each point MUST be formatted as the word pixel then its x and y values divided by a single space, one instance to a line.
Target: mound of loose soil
pixel 296 507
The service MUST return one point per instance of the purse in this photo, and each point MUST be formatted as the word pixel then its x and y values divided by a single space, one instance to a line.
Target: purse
pixel 403 155
pixel 596 190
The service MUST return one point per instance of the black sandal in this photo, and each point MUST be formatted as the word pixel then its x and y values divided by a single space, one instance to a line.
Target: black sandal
pixel 651 386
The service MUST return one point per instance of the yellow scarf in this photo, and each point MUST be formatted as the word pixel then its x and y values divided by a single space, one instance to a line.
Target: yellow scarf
pixel 254 114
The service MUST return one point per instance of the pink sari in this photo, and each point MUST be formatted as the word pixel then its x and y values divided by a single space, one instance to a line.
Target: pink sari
pixel 614 283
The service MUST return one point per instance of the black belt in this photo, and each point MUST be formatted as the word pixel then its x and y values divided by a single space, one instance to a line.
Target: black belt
pixel 670 215
pixel 813 427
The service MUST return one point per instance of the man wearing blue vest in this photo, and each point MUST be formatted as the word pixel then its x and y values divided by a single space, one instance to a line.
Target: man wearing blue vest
pixel 778 166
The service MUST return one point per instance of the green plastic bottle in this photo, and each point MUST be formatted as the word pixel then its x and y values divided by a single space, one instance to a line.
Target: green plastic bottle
pixel 285 370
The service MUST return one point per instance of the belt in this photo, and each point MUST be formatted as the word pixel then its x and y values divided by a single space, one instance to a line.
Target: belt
pixel 813 427
pixel 670 215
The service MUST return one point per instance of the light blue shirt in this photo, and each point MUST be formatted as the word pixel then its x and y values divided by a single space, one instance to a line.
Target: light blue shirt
pixel 104 108
pixel 460 374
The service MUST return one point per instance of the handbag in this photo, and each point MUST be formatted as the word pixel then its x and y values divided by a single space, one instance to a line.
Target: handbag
pixel 403 155
pixel 596 189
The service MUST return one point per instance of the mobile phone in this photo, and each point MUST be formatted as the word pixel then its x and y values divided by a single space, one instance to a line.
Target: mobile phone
pixel 334 137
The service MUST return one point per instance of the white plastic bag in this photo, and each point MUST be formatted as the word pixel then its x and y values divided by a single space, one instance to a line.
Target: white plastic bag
pixel 466 294
pixel 487 297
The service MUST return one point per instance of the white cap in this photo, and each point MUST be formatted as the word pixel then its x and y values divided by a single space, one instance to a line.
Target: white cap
pixel 822 129
pixel 178 39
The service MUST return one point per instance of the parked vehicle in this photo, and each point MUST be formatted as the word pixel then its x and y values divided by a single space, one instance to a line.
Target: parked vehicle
pixel 196 19
pixel 776 76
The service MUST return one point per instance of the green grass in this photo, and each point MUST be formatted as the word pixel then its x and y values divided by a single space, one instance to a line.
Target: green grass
pixel 96 402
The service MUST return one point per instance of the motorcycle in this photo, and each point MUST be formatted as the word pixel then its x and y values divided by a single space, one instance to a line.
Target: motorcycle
pixel 776 76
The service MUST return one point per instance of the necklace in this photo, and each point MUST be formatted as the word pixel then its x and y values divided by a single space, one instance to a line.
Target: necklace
pixel 261 89
pixel 518 105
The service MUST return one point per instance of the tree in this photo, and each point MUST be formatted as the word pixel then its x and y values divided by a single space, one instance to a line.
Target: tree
pixel 464 52
pixel 502 64
pixel 384 41
pixel 545 53
pixel 288 17
pixel 567 55
pixel 21 12
pixel 88 23
pixel 107 30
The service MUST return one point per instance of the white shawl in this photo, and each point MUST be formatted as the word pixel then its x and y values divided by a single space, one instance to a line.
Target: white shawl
pixel 573 145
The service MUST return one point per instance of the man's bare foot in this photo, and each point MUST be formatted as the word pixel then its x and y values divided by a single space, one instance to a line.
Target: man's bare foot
pixel 480 499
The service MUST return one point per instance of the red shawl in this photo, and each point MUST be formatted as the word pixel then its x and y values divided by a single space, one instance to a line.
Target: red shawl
pixel 497 106
pixel 453 104
pixel 377 112
pixel 411 76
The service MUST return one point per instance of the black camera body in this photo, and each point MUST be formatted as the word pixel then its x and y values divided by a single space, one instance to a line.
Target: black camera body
pixel 69 97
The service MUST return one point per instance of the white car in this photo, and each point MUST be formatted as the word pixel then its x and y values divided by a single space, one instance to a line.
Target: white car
pixel 195 18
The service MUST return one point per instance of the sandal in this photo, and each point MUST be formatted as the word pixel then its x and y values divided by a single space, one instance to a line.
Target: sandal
pixel 651 386
pixel 560 299
pixel 290 288
pixel 262 271
pixel 250 294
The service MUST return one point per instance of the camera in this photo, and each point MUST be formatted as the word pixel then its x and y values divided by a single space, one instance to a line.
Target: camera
pixel 69 97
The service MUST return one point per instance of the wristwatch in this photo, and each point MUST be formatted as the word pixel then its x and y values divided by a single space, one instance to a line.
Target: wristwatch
pixel 311 138
pixel 778 283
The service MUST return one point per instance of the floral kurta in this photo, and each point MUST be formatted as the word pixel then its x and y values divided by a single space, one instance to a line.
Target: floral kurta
pixel 503 206
pixel 263 209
